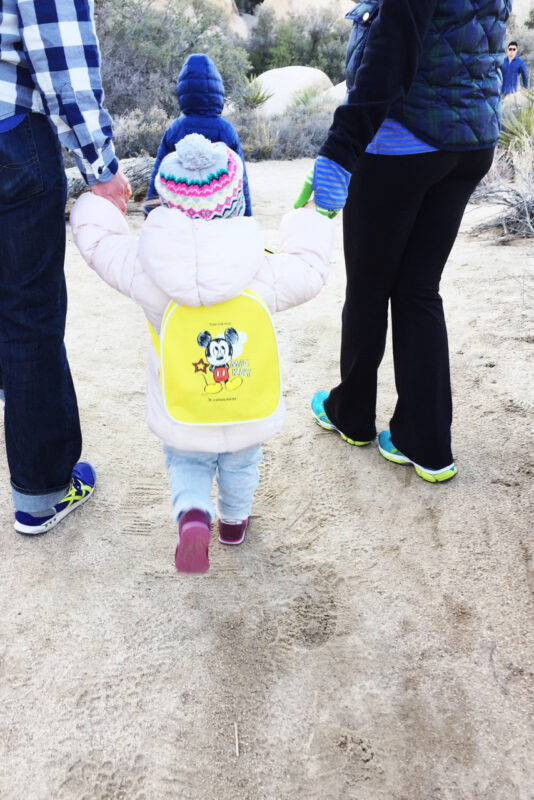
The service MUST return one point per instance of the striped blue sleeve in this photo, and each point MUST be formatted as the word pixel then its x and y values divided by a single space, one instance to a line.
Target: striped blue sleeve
pixel 61 47
pixel 330 184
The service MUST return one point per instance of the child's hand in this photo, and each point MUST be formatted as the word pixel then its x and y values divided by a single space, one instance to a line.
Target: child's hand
pixel 306 191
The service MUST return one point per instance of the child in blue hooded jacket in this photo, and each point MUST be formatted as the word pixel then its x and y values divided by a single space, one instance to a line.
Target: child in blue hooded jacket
pixel 200 93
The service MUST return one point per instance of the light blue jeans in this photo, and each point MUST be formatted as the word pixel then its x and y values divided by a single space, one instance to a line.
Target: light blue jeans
pixel 191 477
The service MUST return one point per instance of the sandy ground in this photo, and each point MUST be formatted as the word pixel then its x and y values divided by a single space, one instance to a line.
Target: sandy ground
pixel 373 637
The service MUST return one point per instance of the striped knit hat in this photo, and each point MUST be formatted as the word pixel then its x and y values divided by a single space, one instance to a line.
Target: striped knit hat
pixel 202 179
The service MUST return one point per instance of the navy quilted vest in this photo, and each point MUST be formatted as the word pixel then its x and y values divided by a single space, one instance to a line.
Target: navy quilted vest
pixel 454 102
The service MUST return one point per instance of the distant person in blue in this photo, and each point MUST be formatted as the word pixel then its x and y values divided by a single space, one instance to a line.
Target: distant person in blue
pixel 200 92
pixel 512 68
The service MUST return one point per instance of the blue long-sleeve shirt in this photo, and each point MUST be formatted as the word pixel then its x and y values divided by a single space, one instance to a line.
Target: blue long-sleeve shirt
pixel 200 92
pixel 511 70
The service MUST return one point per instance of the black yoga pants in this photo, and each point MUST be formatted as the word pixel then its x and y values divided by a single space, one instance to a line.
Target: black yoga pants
pixel 400 222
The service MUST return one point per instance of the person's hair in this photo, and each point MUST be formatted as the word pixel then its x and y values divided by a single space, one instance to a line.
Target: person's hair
pixel 511 43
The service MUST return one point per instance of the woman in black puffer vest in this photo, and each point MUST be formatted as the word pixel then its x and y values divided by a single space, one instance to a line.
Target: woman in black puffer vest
pixel 416 134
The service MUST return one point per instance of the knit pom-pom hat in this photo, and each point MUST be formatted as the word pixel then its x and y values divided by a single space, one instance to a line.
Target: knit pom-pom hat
pixel 203 179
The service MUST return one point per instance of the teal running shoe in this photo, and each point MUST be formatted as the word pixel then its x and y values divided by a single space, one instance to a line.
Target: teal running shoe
pixel 390 452
pixel 320 417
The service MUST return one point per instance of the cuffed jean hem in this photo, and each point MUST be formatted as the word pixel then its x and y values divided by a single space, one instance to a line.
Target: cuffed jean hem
pixel 37 502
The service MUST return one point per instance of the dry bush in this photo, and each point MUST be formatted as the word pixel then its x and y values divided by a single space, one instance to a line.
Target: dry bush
pixel 510 184
pixel 139 133
pixel 298 133
pixel 313 38
pixel 144 45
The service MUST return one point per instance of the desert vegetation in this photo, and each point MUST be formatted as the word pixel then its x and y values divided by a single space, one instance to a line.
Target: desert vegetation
pixel 144 45
pixel 510 183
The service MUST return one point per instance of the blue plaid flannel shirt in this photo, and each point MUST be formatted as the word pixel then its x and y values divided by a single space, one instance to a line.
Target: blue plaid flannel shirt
pixel 50 64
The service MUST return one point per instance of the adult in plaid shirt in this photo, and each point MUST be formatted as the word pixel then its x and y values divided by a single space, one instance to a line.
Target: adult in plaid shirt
pixel 50 95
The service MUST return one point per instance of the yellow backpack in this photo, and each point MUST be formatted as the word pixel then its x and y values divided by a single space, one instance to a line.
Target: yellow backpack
pixel 218 364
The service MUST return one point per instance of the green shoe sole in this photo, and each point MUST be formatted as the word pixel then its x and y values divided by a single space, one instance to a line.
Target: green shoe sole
pixel 438 477
pixel 430 477
pixel 330 427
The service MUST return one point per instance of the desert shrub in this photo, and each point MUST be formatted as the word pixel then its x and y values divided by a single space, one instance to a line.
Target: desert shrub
pixel 517 133
pixel 262 40
pixel 252 95
pixel 258 134
pixel 510 184
pixel 139 133
pixel 301 133
pixel 298 133
pixel 315 39
pixel 144 46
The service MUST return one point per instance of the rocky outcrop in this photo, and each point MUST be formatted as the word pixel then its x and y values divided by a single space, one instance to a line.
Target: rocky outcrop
pixel 285 84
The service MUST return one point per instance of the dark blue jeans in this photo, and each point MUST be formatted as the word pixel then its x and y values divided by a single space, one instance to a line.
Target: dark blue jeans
pixel 42 426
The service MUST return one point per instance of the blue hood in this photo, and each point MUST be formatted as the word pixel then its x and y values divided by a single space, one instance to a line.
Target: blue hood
pixel 200 89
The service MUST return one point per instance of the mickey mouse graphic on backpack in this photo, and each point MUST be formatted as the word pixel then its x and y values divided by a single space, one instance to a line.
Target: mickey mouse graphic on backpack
pixel 219 353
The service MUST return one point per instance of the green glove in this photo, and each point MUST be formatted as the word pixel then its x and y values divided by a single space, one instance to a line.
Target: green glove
pixel 305 194
pixel 306 191
pixel 331 214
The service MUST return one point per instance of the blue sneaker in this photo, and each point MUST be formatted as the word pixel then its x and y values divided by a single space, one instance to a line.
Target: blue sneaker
pixel 80 490
pixel 389 451
pixel 320 417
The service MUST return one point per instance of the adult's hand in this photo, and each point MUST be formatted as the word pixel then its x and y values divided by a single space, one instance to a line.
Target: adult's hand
pixel 117 190
pixel 329 183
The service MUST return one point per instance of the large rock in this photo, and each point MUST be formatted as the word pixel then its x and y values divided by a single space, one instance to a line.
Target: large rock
pixel 287 82
pixel 284 7
pixel 335 96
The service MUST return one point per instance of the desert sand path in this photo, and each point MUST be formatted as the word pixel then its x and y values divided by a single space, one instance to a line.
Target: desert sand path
pixel 373 638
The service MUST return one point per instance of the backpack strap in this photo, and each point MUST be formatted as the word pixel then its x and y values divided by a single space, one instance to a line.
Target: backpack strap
pixel 155 339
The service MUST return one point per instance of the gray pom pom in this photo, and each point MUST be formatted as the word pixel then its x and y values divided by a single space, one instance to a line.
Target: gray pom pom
pixel 195 152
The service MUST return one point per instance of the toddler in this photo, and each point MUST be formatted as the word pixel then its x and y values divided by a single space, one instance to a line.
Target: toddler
pixel 200 93
pixel 200 272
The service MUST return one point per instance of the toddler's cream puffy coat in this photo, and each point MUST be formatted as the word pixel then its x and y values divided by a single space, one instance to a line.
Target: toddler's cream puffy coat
pixel 194 263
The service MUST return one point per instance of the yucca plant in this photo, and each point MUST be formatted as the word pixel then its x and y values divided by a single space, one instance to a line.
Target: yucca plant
pixel 252 95
pixel 518 129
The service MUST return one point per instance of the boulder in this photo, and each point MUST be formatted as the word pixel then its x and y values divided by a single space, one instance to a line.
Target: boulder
pixel 285 83
pixel 335 96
